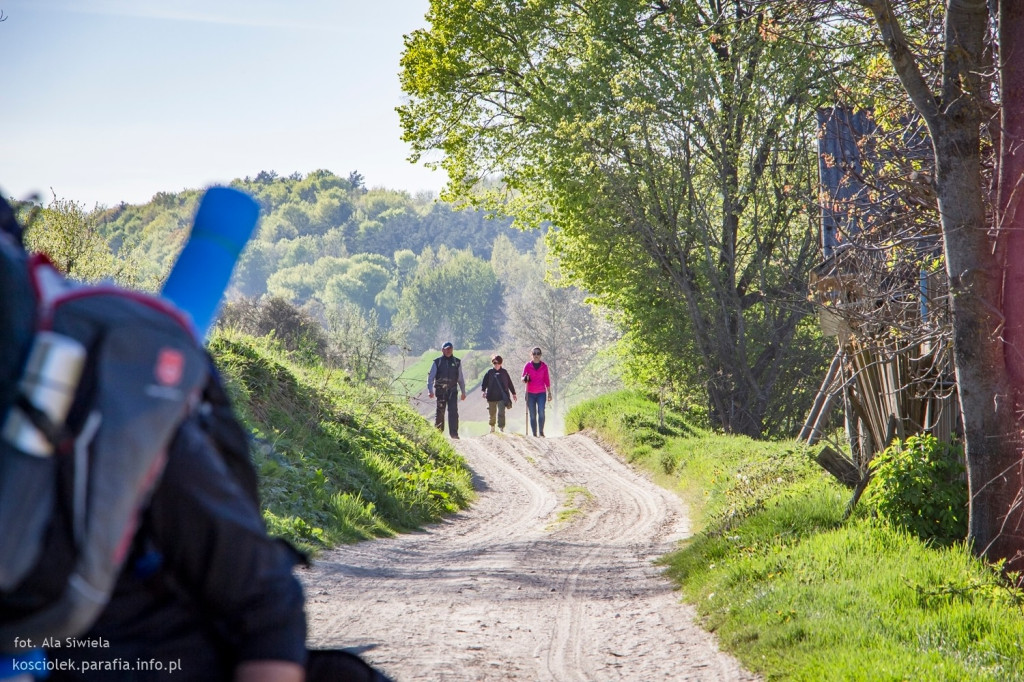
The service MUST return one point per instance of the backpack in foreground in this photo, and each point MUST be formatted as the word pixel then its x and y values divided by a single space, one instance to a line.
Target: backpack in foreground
pixel 103 378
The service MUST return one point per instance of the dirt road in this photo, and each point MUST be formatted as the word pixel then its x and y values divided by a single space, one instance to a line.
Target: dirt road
pixel 547 577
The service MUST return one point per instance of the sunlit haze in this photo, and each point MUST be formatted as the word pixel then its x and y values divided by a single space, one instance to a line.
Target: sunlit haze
pixel 115 100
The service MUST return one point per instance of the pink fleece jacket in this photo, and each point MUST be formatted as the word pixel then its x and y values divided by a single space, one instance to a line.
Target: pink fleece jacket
pixel 540 380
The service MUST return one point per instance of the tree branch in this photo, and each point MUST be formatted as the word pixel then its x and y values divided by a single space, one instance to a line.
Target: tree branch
pixel 903 61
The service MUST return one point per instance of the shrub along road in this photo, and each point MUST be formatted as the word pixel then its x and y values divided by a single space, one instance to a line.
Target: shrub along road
pixel 547 577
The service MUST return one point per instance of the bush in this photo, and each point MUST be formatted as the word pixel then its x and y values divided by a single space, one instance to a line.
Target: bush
pixel 294 328
pixel 919 485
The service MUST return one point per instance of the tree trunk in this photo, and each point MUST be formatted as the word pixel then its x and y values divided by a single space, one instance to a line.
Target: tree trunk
pixel 1009 220
pixel 976 274
pixel 992 448
pixel 735 409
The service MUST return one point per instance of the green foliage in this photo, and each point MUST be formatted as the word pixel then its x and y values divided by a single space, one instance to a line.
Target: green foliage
pixel 672 145
pixel 293 328
pixel 320 206
pixel 634 425
pixel 454 300
pixel 337 462
pixel 153 233
pixel 361 284
pixel 72 240
pixel 919 485
pixel 795 592
pixel 359 344
pixel 322 239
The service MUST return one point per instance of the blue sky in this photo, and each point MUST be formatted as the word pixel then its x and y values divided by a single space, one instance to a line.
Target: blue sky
pixel 105 101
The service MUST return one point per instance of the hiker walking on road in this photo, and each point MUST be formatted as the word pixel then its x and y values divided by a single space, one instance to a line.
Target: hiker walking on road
pixel 445 380
pixel 538 390
pixel 498 391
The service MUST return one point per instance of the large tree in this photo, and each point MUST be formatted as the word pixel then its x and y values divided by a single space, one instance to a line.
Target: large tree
pixel 670 143
pixel 982 237
pixel 455 297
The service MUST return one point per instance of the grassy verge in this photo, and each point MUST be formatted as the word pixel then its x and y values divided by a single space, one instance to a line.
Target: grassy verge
pixel 338 462
pixel 790 588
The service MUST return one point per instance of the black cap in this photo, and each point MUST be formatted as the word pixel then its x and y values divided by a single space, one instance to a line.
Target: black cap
pixel 447 344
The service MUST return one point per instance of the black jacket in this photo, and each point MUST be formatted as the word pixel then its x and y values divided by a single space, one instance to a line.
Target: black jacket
pixel 205 586
pixel 497 385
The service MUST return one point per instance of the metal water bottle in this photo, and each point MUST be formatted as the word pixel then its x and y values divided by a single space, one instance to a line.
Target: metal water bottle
pixel 49 382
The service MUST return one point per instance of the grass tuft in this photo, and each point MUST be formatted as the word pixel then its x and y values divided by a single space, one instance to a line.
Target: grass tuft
pixel 576 499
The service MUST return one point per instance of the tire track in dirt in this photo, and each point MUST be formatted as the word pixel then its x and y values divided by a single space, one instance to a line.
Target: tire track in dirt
pixel 520 586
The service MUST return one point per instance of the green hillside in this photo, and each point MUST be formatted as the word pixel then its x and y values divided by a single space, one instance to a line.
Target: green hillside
pixel 338 461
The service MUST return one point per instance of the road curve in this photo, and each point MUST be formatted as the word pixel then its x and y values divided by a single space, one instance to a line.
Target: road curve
pixel 547 577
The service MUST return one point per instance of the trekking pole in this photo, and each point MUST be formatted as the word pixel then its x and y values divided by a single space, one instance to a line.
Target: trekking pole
pixel 526 404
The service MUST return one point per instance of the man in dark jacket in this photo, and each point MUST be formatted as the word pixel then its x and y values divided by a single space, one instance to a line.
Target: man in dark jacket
pixel 445 380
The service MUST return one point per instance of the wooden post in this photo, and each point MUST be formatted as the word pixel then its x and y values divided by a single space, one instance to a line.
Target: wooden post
pixel 824 394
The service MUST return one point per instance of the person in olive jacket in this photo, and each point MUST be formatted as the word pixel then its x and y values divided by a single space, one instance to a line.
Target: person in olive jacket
pixel 499 392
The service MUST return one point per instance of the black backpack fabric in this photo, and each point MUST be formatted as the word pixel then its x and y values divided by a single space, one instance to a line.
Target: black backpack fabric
pixel 338 665
pixel 68 517
pixel 68 520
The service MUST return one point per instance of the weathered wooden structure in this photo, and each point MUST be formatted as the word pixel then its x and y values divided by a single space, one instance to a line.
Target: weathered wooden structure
pixel 892 373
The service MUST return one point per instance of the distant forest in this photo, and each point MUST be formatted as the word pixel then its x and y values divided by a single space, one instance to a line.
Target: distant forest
pixel 411 269
pixel 305 218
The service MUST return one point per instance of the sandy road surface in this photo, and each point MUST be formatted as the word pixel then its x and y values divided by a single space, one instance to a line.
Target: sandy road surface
pixel 518 588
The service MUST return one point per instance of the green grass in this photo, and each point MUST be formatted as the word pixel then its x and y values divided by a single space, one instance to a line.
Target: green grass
pixel 338 462
pixel 793 590
pixel 576 499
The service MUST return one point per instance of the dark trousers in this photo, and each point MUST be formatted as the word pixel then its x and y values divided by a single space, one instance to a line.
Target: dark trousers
pixel 535 403
pixel 447 399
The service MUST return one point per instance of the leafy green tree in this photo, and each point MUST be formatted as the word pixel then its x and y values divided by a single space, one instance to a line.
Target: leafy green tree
pixel 332 209
pixel 70 237
pixel 300 250
pixel 359 343
pixel 302 282
pixel 671 144
pixel 274 228
pixel 319 183
pixel 360 284
pixel 297 216
pixel 255 267
pixel 456 300
pixel 406 262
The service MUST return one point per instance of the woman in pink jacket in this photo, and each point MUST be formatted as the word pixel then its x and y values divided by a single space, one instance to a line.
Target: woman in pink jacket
pixel 538 390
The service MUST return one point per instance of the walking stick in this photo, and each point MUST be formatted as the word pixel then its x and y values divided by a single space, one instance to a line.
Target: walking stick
pixel 526 420
pixel 526 408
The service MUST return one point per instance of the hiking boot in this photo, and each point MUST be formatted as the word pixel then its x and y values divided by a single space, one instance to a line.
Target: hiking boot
pixel 455 437
pixel 492 429
pixel 500 428
pixel 541 434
